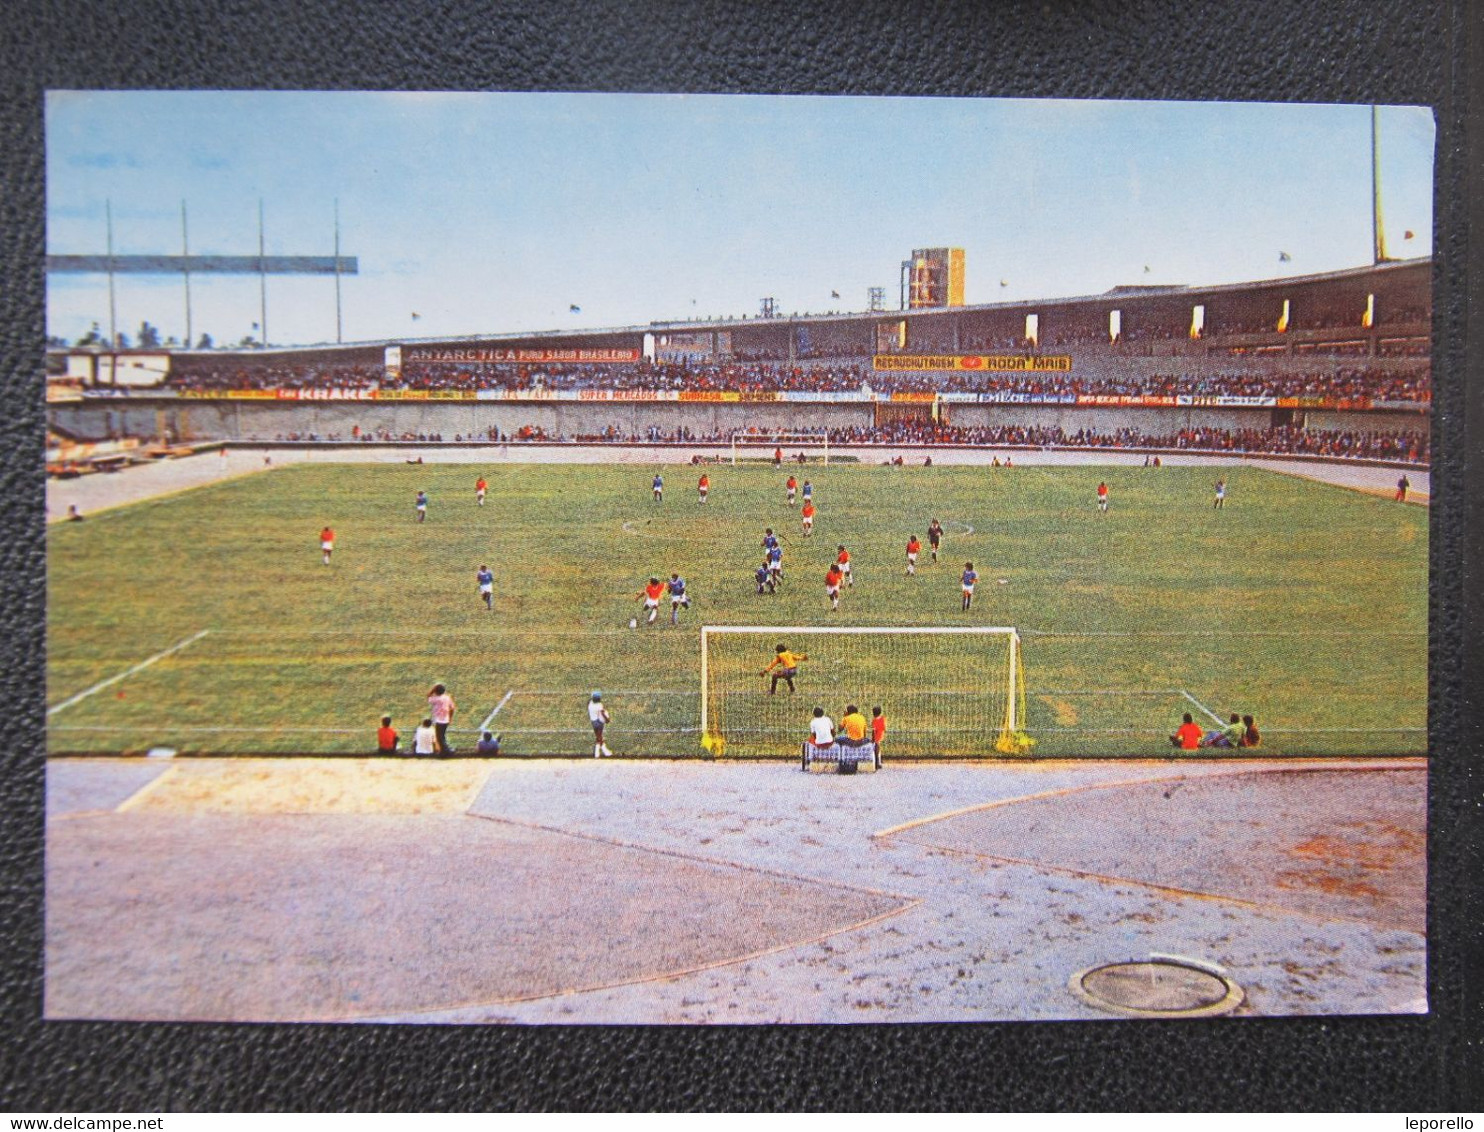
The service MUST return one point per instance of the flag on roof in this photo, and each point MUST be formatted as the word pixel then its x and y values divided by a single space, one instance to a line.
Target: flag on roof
pixel 574 308
pixel 1284 257
pixel 1408 234
pixel 834 294
pixel 415 316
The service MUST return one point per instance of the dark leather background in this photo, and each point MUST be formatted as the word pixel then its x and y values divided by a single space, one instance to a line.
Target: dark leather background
pixel 1323 50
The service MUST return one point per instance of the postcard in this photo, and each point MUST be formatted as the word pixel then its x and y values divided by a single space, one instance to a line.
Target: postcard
pixel 692 559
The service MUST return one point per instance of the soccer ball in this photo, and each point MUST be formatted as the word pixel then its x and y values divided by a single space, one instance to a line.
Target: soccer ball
pixel 633 623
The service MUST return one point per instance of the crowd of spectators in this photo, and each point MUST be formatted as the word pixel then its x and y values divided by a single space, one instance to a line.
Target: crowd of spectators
pixel 322 375
pixel 1409 446
pixel 1389 383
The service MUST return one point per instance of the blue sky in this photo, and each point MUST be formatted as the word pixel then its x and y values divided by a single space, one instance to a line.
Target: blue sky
pixel 487 213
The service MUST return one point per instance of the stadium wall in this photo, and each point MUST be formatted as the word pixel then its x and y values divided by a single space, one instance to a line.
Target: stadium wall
pixel 202 420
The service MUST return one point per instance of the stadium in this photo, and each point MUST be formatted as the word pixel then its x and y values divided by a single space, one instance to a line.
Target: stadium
pixel 522 676
pixel 1289 390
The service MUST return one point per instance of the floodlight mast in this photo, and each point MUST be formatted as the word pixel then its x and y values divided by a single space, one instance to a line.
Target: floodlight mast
pixel 1378 229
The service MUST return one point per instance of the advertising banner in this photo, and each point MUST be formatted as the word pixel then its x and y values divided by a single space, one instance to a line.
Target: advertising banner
pixel 621 395
pixel 971 363
pixel 1230 401
pixel 1010 397
pixel 1403 406
pixel 1143 400
pixel 425 395
pixel 838 396
pixel 456 354
pixel 914 397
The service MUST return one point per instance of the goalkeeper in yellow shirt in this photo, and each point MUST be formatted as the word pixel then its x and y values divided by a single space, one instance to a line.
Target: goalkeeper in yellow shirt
pixel 784 666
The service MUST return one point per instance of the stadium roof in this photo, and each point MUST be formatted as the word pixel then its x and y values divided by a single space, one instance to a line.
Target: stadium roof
pixel 695 325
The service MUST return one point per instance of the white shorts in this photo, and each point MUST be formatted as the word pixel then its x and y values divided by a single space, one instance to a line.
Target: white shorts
pixel 845 568
pixel 968 589
pixel 487 587
pixel 831 591
pixel 479 494
pixel 912 558
pixel 327 546
pixel 422 508
pixel 808 520
pixel 703 490
pixel 651 603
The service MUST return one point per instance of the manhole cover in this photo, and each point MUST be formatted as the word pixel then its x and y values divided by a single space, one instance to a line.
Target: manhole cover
pixel 1158 988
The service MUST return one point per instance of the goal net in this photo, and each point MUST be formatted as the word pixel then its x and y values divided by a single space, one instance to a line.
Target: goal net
pixel 757 443
pixel 956 692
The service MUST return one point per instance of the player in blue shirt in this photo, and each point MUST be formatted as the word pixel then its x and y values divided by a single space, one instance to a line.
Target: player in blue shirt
pixel 659 487
pixel 969 578
pixel 808 491
pixel 775 564
pixel 486 587
pixel 764 577
pixel 770 540
pixel 678 597
pixel 422 506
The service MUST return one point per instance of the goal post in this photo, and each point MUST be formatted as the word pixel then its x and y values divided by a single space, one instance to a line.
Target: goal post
pixel 751 438
pixel 954 692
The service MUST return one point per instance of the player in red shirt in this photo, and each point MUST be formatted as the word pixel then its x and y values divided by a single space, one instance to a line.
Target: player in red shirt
pixel 832 585
pixel 651 595
pixel 808 518
pixel 842 560
pixel 327 543
pixel 704 486
pixel 792 486
pixel 1103 497
pixel 878 728
pixel 480 487
pixel 914 548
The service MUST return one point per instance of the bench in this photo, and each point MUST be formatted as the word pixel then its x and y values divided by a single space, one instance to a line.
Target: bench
pixel 841 756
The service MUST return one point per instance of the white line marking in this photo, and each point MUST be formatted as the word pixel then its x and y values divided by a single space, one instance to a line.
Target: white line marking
pixel 487 719
pixel 173 728
pixel 146 790
pixel 1253 633
pixel 1219 721
pixel 143 664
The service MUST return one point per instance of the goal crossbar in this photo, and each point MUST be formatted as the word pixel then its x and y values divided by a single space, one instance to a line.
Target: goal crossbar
pixel 741 438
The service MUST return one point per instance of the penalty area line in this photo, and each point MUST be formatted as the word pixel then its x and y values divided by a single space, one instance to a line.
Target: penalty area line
pixel 1219 721
pixel 491 717
pixel 141 666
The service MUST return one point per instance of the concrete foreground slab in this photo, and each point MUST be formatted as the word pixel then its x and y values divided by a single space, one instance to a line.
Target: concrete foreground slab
pixel 660 892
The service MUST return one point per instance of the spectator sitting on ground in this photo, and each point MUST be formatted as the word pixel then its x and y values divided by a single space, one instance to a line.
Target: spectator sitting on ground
pixel 1250 737
pixel 488 746
pixel 425 739
pixel 386 738
pixel 1228 736
pixel 1188 737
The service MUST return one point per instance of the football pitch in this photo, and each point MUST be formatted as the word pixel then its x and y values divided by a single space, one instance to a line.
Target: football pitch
pixel 206 621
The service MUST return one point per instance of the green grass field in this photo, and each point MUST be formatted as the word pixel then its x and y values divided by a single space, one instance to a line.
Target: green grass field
pixel 1301 603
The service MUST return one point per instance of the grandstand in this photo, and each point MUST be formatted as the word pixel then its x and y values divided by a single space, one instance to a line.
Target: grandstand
pixel 1334 365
